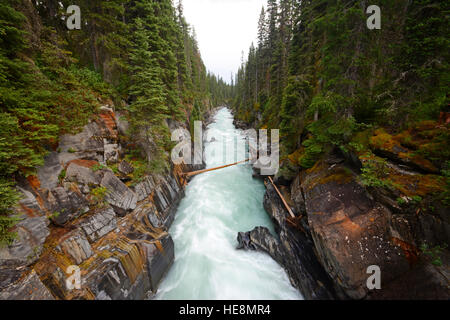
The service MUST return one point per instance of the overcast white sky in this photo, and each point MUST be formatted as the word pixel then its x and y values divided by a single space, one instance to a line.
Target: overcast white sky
pixel 224 28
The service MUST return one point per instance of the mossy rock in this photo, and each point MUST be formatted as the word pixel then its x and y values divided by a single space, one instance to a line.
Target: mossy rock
pixel 389 146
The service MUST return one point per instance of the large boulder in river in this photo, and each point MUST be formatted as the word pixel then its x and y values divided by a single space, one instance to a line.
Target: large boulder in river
pixel 261 239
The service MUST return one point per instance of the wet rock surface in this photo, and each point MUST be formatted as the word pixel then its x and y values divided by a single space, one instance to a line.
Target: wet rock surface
pixel 425 281
pixel 350 231
pixel 160 257
pixel 298 252
pixel 341 229
pixel 31 288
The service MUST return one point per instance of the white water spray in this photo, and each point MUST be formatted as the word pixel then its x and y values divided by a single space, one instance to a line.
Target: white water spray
pixel 217 206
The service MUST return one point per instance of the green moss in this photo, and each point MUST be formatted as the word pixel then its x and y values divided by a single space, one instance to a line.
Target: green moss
pixel 98 195
pixel 294 157
pixel 98 167
pixel 386 142
pixel 445 195
pixel 436 147
pixel 54 215
pixel 114 168
pixel 340 176
pixel 434 254
pixel 62 175
pixel 401 201
pixel 417 185
pixel 360 142
pixel 382 140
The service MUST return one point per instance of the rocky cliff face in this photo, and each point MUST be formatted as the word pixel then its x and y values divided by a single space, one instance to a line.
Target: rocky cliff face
pixel 343 227
pixel 294 249
pixel 78 212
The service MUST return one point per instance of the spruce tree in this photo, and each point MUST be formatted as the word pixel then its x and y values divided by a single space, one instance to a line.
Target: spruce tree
pixel 148 110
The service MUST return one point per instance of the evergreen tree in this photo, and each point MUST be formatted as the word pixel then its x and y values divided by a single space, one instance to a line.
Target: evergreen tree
pixel 325 75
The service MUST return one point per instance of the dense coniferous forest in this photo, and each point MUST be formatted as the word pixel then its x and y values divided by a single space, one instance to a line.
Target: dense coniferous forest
pixel 141 56
pixel 86 116
pixel 329 83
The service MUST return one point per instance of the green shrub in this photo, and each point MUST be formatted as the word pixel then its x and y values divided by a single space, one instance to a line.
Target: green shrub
pixel 374 172
pixel 433 253
pixel 9 197
pixel 445 196
pixel 98 196
pixel 98 167
pixel 62 175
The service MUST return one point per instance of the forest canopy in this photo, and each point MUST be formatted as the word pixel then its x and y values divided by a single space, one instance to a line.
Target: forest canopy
pixel 141 56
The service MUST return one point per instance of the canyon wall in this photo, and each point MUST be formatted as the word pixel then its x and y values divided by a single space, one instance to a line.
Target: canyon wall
pixel 83 209
pixel 342 227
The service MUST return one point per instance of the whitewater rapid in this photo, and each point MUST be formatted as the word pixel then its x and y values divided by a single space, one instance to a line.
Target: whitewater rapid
pixel 216 207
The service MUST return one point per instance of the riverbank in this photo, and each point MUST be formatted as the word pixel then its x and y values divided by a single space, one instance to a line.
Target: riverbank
pixel 85 210
pixel 341 229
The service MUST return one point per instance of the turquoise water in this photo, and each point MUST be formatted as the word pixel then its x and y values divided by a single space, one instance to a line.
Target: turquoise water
pixel 217 206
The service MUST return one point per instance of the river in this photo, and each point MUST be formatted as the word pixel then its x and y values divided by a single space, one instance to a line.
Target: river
pixel 216 207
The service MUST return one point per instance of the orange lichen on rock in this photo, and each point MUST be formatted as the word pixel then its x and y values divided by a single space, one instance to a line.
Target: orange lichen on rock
pixel 425 125
pixel 159 246
pixel 417 185
pixel 178 171
pixel 410 251
pixel 34 182
pixel 83 163
pixel 26 210
pixel 383 140
pixel 342 219
pixel 318 166
pixel 339 175
pixel 397 146
pixel 295 156
pixel 420 161
pixel 108 118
